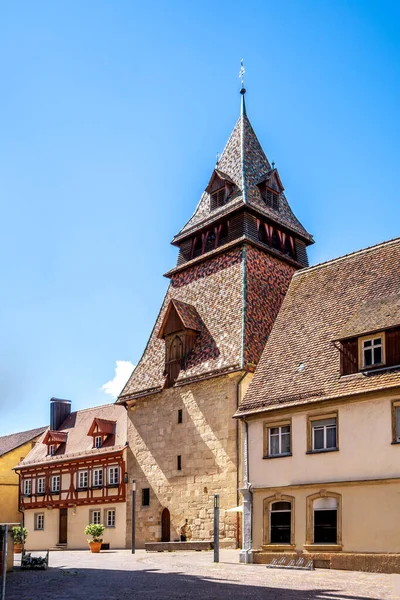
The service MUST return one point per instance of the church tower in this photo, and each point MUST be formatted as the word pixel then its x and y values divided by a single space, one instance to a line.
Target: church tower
pixel 237 255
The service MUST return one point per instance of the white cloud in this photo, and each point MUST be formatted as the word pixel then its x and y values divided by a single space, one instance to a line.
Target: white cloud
pixel 123 370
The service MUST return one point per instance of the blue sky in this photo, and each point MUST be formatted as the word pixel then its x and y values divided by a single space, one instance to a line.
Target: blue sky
pixel 111 115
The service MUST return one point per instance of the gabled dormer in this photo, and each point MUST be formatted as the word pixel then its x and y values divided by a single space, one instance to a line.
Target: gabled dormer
pixel 103 432
pixel 220 188
pixel 271 189
pixel 179 329
pixel 53 440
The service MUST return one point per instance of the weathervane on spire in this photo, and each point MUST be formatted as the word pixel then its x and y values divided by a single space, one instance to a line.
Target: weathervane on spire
pixel 241 76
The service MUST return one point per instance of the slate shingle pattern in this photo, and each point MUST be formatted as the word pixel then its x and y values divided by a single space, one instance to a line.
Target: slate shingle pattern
pixel 214 287
pixel 300 364
pixel 77 426
pixel 10 442
pixel 246 168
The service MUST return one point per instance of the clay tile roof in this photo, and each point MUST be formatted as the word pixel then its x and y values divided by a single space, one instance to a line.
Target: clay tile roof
pixel 300 364
pixel 55 436
pixel 244 163
pixel 76 427
pixel 10 442
pixel 375 315
pixel 188 314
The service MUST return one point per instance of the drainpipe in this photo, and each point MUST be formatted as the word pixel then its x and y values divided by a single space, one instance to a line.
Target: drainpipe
pixel 246 552
pixel 238 386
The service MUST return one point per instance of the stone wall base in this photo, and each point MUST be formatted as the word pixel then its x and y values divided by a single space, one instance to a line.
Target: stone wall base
pixel 346 561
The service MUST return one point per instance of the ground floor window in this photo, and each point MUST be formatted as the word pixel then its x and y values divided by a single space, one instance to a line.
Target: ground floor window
pixel 110 517
pixel 39 521
pixel 280 522
pixel 95 517
pixel 325 520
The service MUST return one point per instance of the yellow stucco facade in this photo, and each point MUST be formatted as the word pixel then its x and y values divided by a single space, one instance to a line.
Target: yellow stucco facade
pixel 9 482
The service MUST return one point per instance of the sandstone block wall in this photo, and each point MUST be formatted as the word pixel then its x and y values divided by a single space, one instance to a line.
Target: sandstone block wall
pixel 206 441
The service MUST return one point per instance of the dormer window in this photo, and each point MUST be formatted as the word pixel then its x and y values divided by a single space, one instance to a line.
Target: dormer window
pixel 271 199
pixel 102 431
pixel 53 440
pixel 218 198
pixel 179 328
pixel 220 188
pixel 372 351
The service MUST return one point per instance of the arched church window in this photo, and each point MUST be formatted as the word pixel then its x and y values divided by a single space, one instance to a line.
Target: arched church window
pixel 210 244
pixel 276 244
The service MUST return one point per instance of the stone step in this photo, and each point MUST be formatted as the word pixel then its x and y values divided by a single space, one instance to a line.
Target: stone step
pixel 179 546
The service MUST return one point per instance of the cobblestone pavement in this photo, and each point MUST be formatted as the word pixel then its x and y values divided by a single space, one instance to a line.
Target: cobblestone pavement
pixel 118 575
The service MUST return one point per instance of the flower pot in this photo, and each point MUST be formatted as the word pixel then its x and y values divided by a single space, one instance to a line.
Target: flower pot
pixel 17 548
pixel 95 546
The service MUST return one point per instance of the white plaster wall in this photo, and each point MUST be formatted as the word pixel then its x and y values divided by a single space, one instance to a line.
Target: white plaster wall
pixel 365 447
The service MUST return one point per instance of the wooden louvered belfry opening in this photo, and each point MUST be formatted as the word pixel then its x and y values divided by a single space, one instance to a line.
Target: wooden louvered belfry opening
pixel 218 198
pixel 271 199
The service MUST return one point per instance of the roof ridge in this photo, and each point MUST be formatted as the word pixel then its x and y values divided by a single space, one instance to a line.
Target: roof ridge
pixel 326 263
pixel 90 408
pixel 8 435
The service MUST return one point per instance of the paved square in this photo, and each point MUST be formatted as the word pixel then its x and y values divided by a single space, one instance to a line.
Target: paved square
pixel 119 575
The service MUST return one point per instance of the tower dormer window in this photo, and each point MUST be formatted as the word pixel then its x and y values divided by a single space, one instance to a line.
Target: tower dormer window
pixel 218 198
pixel 271 199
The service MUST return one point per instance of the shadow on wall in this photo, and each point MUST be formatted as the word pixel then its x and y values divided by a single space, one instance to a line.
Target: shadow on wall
pixel 110 584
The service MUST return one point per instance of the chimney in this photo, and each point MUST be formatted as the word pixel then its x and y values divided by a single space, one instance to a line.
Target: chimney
pixel 59 411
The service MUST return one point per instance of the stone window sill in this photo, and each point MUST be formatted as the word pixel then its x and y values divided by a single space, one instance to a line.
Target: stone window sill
pixel 322 451
pixel 323 547
pixel 279 547
pixel 277 455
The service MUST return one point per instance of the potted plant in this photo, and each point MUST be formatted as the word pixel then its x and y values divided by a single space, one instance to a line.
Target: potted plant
pixel 96 531
pixel 19 535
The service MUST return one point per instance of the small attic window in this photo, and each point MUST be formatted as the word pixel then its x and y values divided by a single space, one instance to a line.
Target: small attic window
pixel 101 430
pixel 271 199
pixel 218 198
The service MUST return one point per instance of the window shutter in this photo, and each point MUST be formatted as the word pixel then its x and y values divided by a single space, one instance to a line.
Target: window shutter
pixel 393 347
pixel 349 357
pixel 397 423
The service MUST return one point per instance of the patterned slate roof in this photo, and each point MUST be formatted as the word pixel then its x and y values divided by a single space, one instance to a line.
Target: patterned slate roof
pixel 77 425
pixel 245 163
pixel 10 442
pixel 300 364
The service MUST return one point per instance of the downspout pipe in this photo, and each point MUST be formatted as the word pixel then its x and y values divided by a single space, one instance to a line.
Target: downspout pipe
pixel 246 491
pixel 238 386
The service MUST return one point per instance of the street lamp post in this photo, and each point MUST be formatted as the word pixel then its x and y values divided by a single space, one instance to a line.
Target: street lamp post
pixel 216 527
pixel 133 514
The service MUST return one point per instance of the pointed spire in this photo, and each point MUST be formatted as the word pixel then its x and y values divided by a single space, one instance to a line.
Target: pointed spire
pixel 242 89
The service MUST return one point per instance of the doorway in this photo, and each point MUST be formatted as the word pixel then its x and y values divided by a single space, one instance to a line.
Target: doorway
pixel 165 526
pixel 63 526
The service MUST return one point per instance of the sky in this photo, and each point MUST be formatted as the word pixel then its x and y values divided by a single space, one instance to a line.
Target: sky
pixel 111 116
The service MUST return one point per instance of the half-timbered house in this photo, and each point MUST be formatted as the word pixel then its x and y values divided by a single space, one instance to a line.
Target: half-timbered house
pixel 76 475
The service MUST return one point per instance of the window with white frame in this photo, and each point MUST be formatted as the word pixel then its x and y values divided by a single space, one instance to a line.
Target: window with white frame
pixel 97 477
pixel 82 479
pixel 98 441
pixel 372 351
pixel 110 517
pixel 55 484
pixel 279 440
pixel 39 521
pixel 95 517
pixel 324 434
pixel 51 449
pixel 27 487
pixel 113 475
pixel 40 485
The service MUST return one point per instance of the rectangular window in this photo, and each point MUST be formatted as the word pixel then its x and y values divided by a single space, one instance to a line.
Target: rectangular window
pixel 110 517
pixel 40 485
pixel 324 434
pixel 39 521
pixel 27 487
pixel 279 440
pixel 146 497
pixel 396 421
pixel 97 478
pixel 179 463
pixel 95 517
pixel 372 351
pixel 98 441
pixel 51 450
pixel 113 475
pixel 55 484
pixel 82 479
pixel 179 415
